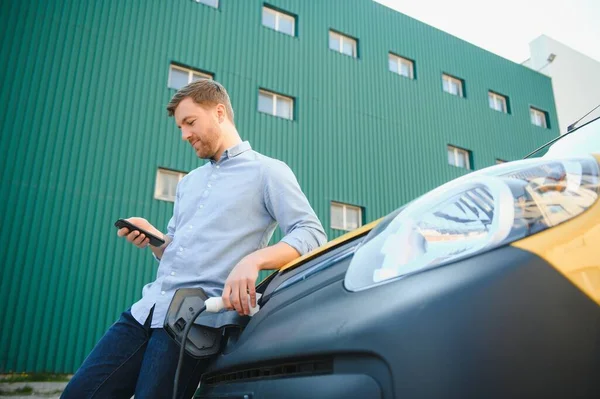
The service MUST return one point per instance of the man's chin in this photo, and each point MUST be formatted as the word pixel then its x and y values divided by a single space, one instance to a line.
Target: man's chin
pixel 203 155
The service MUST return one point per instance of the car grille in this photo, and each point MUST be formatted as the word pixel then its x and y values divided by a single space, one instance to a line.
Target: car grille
pixel 287 369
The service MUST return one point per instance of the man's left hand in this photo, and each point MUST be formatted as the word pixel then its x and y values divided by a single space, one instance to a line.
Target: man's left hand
pixel 241 283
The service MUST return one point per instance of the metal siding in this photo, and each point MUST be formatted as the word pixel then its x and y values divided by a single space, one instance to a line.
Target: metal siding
pixel 84 129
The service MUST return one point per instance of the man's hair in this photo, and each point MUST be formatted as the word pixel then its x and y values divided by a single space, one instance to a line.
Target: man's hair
pixel 203 92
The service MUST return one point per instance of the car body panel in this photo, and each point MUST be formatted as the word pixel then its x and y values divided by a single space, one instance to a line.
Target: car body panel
pixel 465 328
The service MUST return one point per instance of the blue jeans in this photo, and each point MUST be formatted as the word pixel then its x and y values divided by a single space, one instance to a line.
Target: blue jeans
pixel 134 359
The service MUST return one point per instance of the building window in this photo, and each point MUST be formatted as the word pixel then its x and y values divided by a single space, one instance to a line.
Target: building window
pixel 498 102
pixel 180 76
pixel 345 217
pixel 459 157
pixel 538 117
pixel 453 85
pixel 212 3
pixel 279 21
pixel 166 184
pixel 342 44
pixel 401 66
pixel 499 161
pixel 276 104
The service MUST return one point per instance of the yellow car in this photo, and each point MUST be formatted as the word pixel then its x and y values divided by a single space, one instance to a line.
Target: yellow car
pixel 488 286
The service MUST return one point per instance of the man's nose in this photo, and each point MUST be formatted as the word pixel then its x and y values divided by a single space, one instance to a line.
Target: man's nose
pixel 185 134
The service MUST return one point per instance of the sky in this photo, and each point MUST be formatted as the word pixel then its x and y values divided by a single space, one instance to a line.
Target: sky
pixel 506 27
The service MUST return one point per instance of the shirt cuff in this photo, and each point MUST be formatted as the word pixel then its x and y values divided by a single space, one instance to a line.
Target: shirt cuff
pixel 303 243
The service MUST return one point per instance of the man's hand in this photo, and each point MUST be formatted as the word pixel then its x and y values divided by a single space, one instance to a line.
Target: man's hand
pixel 240 283
pixel 135 237
pixel 242 279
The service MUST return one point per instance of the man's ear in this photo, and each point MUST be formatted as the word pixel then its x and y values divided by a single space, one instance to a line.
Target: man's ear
pixel 221 113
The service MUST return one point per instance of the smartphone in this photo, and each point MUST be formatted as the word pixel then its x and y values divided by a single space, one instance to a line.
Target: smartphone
pixel 154 240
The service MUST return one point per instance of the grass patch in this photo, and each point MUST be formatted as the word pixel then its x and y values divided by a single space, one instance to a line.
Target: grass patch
pixel 34 377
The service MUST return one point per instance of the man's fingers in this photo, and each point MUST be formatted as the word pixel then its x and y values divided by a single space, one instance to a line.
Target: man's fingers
pixel 135 237
pixel 244 299
pixel 139 240
pixel 252 292
pixel 235 297
pixel 132 236
pixel 226 295
pixel 122 232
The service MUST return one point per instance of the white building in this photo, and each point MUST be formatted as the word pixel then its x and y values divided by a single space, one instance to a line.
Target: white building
pixel 575 78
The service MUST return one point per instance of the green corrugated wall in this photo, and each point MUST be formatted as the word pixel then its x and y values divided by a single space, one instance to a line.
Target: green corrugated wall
pixel 84 128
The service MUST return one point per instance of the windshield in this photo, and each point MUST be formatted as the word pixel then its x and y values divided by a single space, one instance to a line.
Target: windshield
pixel 585 140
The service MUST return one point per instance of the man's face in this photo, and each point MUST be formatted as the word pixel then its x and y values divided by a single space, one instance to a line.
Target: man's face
pixel 200 127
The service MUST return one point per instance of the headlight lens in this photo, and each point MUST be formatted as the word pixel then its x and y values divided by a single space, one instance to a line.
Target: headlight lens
pixel 475 213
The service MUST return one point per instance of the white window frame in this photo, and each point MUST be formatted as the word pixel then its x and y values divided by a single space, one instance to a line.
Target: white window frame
pixel 497 99
pixel 158 182
pixel 461 151
pixel 402 61
pixel 205 2
pixel 341 39
pixel 190 72
pixel 276 97
pixel 345 207
pixel 278 15
pixel 533 113
pixel 452 79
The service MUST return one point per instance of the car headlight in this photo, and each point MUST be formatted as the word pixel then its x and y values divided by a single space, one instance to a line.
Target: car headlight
pixel 475 213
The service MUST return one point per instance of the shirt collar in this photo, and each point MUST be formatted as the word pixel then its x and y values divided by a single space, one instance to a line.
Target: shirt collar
pixel 234 151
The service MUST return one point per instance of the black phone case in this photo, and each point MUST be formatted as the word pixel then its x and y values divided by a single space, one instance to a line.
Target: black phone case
pixel 154 240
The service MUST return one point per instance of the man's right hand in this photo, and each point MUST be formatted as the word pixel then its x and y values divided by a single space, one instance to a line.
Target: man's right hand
pixel 135 237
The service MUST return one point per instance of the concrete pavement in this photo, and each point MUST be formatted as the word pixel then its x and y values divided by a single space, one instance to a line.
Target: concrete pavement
pixel 32 390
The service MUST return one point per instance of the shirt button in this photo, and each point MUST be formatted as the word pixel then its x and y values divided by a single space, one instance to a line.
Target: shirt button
pixel 209 186
pixel 172 273
pixel 162 293
pixel 191 226
pixel 180 249
pixel 201 206
pixel 218 166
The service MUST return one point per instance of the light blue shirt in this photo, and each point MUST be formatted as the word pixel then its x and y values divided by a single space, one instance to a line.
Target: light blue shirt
pixel 224 211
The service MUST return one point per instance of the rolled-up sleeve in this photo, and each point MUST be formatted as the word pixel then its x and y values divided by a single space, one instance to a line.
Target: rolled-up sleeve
pixel 288 205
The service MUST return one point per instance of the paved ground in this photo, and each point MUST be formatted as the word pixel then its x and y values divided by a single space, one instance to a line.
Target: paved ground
pixel 32 396
pixel 32 390
pixel 39 390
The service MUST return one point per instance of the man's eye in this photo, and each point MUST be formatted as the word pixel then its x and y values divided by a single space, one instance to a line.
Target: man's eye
pixel 191 123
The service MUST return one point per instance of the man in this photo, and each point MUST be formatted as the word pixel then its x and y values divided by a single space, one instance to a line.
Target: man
pixel 224 215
